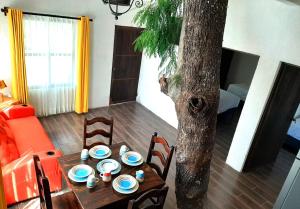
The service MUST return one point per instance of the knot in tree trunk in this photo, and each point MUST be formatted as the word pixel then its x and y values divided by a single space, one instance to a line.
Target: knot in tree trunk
pixel 197 105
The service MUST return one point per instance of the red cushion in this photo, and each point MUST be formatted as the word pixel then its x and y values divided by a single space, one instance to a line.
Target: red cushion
pixel 30 135
pixel 20 111
pixel 8 148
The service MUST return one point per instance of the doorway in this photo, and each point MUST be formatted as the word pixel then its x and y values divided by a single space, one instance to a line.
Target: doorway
pixel 126 65
pixel 277 117
pixel 236 73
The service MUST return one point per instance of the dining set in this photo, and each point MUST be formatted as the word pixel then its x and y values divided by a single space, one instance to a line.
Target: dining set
pixel 109 175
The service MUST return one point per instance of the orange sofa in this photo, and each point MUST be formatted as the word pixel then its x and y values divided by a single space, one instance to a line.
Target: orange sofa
pixel 21 136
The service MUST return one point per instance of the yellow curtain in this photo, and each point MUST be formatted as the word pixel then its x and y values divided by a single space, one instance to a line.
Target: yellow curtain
pixel 17 54
pixel 83 51
pixel 2 195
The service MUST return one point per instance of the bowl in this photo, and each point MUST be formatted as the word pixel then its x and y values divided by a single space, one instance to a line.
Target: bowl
pixel 81 171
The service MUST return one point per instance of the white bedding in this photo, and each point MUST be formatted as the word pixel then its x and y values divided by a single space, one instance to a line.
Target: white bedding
pixel 297 114
pixel 239 89
pixel 227 101
pixel 294 130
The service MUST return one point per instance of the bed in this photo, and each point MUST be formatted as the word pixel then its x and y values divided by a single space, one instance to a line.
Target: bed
pixel 239 89
pixel 227 101
pixel 294 130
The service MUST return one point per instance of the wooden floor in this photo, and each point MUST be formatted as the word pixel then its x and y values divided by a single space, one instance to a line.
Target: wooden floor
pixel 135 124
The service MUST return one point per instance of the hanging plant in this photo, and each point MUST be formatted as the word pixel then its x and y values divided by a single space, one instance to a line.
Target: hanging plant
pixel 162 20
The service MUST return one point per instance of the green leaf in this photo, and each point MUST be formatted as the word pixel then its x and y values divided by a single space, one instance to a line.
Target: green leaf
pixel 162 20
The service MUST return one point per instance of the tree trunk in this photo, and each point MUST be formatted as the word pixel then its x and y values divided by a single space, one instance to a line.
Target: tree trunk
pixel 198 101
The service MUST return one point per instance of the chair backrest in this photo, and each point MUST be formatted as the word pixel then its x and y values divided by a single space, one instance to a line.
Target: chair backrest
pixel 108 122
pixel 43 184
pixel 165 159
pixel 160 194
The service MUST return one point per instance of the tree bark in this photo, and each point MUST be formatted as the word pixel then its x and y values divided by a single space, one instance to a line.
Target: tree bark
pixel 198 101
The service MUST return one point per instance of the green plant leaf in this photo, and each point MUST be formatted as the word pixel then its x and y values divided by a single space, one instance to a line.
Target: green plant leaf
pixel 162 20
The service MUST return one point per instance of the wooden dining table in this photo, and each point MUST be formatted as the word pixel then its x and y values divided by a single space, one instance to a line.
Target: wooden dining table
pixel 103 195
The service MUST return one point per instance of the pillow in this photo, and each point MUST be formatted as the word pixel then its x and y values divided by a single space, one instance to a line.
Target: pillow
pixel 8 148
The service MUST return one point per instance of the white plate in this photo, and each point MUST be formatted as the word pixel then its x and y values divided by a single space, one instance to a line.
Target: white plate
pixel 73 178
pixel 109 164
pixel 132 157
pixel 92 154
pixel 132 164
pixel 102 149
pixel 123 191
pixel 126 182
pixel 82 167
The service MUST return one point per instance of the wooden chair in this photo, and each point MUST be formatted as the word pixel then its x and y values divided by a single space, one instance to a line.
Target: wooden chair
pixel 159 194
pixel 108 122
pixel 165 160
pixel 66 200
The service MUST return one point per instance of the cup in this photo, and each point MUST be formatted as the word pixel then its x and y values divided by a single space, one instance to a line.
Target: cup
pixel 106 176
pixel 92 181
pixel 140 176
pixel 123 149
pixel 84 154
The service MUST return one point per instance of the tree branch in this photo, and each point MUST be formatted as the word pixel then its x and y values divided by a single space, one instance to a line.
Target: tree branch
pixel 167 86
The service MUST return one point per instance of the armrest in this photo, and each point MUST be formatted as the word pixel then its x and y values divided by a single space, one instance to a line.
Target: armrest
pixel 20 174
pixel 25 161
pixel 20 111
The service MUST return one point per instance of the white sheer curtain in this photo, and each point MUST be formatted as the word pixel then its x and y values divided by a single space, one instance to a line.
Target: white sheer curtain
pixel 50 46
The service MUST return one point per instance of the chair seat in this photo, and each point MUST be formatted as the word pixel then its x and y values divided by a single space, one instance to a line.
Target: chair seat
pixel 65 201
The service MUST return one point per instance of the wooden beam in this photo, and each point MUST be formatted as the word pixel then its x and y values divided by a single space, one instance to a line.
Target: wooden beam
pixel 2 196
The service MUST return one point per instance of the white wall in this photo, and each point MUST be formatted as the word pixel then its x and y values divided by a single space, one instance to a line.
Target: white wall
pixel 102 38
pixel 149 93
pixel 242 68
pixel 267 28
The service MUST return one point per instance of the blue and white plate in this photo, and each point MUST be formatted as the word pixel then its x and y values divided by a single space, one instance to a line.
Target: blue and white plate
pixel 100 152
pixel 109 165
pixel 76 179
pixel 125 181
pixel 81 171
pixel 132 158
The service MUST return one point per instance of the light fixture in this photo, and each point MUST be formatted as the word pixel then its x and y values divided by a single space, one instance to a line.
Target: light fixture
pixel 117 3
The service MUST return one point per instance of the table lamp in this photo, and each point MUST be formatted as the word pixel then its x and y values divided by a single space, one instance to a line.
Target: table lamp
pixel 2 86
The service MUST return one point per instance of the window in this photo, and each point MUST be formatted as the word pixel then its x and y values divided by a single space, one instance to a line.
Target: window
pixel 50 46
pixel 49 51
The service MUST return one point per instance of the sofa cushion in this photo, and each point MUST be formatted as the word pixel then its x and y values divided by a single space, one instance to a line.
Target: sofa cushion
pixel 30 135
pixel 20 111
pixel 8 148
